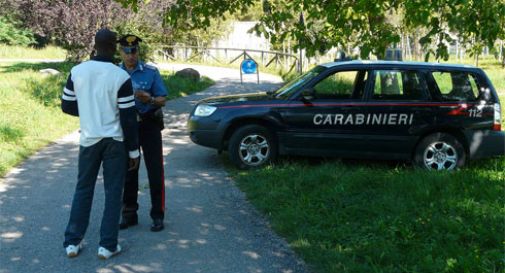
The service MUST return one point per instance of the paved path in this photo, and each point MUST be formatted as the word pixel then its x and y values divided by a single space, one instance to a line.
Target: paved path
pixel 210 227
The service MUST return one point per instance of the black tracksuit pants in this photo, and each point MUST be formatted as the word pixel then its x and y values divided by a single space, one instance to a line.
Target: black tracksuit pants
pixel 150 142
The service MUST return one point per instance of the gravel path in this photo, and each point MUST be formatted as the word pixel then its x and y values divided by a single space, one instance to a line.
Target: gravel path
pixel 210 227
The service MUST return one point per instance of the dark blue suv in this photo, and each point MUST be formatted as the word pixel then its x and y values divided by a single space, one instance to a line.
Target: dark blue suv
pixel 437 115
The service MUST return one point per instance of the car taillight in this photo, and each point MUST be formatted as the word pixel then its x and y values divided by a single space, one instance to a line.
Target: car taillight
pixel 497 117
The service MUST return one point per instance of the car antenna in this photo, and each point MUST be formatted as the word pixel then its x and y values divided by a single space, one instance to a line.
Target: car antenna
pixel 342 57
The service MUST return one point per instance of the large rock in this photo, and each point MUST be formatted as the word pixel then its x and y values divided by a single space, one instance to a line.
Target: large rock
pixel 49 71
pixel 188 73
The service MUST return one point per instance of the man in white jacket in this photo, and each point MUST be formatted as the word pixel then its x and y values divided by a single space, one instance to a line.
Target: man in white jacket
pixel 101 94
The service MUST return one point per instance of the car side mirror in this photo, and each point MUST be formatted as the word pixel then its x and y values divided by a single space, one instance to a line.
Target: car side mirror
pixel 307 94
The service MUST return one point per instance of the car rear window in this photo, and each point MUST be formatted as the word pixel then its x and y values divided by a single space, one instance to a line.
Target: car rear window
pixel 456 85
pixel 400 85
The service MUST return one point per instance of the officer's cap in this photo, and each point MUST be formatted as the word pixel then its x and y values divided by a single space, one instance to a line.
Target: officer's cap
pixel 129 40
pixel 129 43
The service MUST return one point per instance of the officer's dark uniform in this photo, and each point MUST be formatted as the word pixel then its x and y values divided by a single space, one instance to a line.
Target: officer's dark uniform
pixel 147 78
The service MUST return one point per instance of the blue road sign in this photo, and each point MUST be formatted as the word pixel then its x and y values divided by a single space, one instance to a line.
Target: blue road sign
pixel 248 66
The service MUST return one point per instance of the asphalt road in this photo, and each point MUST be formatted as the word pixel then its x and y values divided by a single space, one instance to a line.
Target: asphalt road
pixel 210 227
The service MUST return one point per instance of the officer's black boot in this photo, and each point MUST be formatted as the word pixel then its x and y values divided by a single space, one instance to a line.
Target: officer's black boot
pixel 128 221
pixel 157 225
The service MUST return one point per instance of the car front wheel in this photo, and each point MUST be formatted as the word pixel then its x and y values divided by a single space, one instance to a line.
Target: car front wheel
pixel 252 146
pixel 440 151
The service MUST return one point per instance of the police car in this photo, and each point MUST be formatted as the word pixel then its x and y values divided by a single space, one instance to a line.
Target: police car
pixel 436 115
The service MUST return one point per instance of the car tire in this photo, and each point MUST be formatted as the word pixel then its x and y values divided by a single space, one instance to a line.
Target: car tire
pixel 440 151
pixel 252 146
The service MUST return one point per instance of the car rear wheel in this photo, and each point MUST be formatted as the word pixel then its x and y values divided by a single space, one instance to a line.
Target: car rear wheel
pixel 440 151
pixel 252 146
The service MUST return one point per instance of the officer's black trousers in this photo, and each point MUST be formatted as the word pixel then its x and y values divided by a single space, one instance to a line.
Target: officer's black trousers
pixel 150 142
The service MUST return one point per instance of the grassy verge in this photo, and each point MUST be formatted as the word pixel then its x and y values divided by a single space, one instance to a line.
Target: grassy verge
pixel 180 87
pixel 31 116
pixel 19 52
pixel 373 217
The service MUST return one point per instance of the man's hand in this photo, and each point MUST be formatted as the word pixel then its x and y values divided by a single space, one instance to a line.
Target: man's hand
pixel 143 96
pixel 160 101
pixel 133 164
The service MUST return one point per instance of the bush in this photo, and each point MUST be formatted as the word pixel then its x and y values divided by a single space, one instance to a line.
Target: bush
pixel 12 34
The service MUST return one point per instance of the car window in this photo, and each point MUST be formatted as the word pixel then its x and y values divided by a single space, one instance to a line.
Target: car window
pixel 292 86
pixel 341 85
pixel 456 85
pixel 399 85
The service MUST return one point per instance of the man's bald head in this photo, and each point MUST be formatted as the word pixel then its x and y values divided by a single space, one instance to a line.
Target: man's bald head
pixel 105 42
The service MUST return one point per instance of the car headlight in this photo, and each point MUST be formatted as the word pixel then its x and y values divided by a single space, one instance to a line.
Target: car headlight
pixel 204 110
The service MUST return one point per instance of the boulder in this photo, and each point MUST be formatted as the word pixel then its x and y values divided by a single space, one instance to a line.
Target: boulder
pixel 49 71
pixel 188 73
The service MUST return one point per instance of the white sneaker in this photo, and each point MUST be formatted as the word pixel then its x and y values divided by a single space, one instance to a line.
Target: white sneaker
pixel 104 253
pixel 73 250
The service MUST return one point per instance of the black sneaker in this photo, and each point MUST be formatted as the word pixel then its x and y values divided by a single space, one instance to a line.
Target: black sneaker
pixel 157 225
pixel 128 222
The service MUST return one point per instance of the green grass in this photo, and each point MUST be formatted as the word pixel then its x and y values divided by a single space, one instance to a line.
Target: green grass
pixel 497 77
pixel 179 87
pixel 30 103
pixel 374 217
pixel 30 115
pixel 19 52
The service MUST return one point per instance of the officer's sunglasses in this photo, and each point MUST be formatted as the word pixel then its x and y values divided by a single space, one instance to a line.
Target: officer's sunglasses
pixel 129 50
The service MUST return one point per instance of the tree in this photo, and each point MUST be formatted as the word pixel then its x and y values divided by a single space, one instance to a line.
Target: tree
pixel 12 33
pixel 148 22
pixel 70 24
pixel 478 23
pixel 330 24
pixel 252 13
pixel 362 24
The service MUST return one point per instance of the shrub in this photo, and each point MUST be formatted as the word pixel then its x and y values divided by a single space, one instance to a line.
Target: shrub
pixel 12 34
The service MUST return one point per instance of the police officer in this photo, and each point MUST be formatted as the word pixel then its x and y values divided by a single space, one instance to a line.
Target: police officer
pixel 150 93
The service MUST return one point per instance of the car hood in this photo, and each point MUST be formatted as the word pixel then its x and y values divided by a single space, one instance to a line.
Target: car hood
pixel 237 98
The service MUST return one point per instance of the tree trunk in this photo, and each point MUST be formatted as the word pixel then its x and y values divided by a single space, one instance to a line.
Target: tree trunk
pixel 502 52
pixel 409 48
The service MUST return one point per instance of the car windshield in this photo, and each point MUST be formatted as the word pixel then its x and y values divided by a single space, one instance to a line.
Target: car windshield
pixel 290 87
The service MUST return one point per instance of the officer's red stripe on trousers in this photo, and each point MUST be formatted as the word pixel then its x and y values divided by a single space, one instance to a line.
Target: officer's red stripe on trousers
pixel 162 184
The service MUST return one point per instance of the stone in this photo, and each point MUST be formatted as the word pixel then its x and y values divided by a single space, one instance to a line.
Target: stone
pixel 49 71
pixel 188 73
